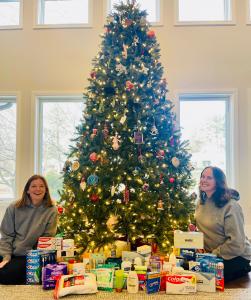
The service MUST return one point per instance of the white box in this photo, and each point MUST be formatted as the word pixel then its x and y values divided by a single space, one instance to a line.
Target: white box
pixel 180 284
pixel 205 282
pixel 49 243
pixel 188 239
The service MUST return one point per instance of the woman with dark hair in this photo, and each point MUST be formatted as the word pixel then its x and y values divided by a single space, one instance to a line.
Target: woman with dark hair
pixel 220 218
pixel 25 220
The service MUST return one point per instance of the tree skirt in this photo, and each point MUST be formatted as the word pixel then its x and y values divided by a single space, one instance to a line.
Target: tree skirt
pixel 23 292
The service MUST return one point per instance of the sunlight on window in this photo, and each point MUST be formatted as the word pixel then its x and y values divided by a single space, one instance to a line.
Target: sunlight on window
pixel 64 12
pixel 7 147
pixel 149 5
pixel 206 133
pixel 59 121
pixel 9 13
pixel 204 10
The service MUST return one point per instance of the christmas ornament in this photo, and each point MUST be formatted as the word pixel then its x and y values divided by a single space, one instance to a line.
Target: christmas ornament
pixel 123 119
pixel 93 75
pixel 126 195
pixel 93 157
pixel 94 133
pixel 129 85
pixel 124 52
pixel 60 209
pixel 138 138
pixel 192 227
pixel 94 197
pixel 144 69
pixel 171 180
pixel 119 201
pixel 160 154
pixel 145 187
pixel 160 205
pixel 151 34
pixel 128 22
pixel 121 187
pixel 175 162
pixel 75 165
pixel 115 142
pixel 146 176
pixel 83 185
pixel 113 189
pixel 121 69
pixel 105 131
pixel 154 130
pixel 141 159
pixel 66 167
pixel 92 179
pixel 136 171
pixel 142 21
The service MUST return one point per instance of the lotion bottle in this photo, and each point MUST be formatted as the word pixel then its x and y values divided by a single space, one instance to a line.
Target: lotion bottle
pixel 132 281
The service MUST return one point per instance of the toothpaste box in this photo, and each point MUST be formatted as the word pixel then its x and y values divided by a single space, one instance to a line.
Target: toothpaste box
pixel 188 239
pixel 50 243
pixel 180 284
pixel 153 282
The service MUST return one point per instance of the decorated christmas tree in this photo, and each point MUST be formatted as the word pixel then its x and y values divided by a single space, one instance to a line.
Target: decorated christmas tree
pixel 128 174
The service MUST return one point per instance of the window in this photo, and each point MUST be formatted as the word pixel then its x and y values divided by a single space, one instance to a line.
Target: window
pixel 10 13
pixel 249 11
pixel 58 118
pixel 7 147
pixel 204 11
pixel 63 12
pixel 210 132
pixel 152 7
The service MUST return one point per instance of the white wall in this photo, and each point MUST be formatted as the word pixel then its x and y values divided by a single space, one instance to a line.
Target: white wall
pixel 194 57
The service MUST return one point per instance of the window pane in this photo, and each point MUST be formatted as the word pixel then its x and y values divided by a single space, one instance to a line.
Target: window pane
pixel 59 120
pixel 149 5
pixel 206 133
pixel 7 147
pixel 9 12
pixel 64 12
pixel 204 10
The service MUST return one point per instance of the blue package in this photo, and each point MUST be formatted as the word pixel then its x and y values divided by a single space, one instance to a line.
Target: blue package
pixel 153 282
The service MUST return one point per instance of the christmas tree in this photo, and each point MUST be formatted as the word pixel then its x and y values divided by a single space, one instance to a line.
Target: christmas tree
pixel 128 175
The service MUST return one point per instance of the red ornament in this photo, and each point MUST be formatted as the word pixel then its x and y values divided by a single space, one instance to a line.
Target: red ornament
pixel 151 34
pixel 171 180
pixel 94 198
pixel 161 154
pixel 129 85
pixel 93 157
pixel 126 195
pixel 94 133
pixel 93 75
pixel 192 227
pixel 154 247
pixel 60 210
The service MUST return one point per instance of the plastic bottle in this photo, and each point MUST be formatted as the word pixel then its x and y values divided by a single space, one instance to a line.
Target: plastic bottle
pixel 70 266
pixel 172 259
pixel 132 281
pixel 126 265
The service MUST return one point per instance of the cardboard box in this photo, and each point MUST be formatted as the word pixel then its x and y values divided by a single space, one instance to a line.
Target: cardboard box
pixel 188 239
pixel 205 282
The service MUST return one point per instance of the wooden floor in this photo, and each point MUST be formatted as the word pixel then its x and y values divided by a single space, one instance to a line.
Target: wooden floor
pixel 243 282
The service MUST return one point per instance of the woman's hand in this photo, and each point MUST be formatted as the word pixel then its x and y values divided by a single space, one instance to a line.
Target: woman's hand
pixel 3 263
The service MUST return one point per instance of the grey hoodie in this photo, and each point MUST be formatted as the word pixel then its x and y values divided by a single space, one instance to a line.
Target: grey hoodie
pixel 21 227
pixel 223 228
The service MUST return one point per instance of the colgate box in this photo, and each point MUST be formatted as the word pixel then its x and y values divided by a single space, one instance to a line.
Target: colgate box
pixel 50 243
pixel 180 284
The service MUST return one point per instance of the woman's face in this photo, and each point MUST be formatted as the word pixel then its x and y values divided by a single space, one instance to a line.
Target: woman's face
pixel 207 182
pixel 37 191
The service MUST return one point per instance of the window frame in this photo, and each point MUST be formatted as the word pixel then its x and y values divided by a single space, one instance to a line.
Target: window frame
pixel 232 151
pixel 248 14
pixel 159 9
pixel 39 99
pixel 20 25
pixel 231 21
pixel 37 25
pixel 16 99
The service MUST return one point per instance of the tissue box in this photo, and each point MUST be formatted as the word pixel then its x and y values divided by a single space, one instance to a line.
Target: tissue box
pixel 188 240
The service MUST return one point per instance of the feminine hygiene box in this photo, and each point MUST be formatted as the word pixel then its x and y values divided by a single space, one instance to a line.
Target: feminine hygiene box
pixel 188 240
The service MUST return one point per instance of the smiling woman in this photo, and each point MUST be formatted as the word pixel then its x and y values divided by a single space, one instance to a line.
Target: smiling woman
pixel 25 220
